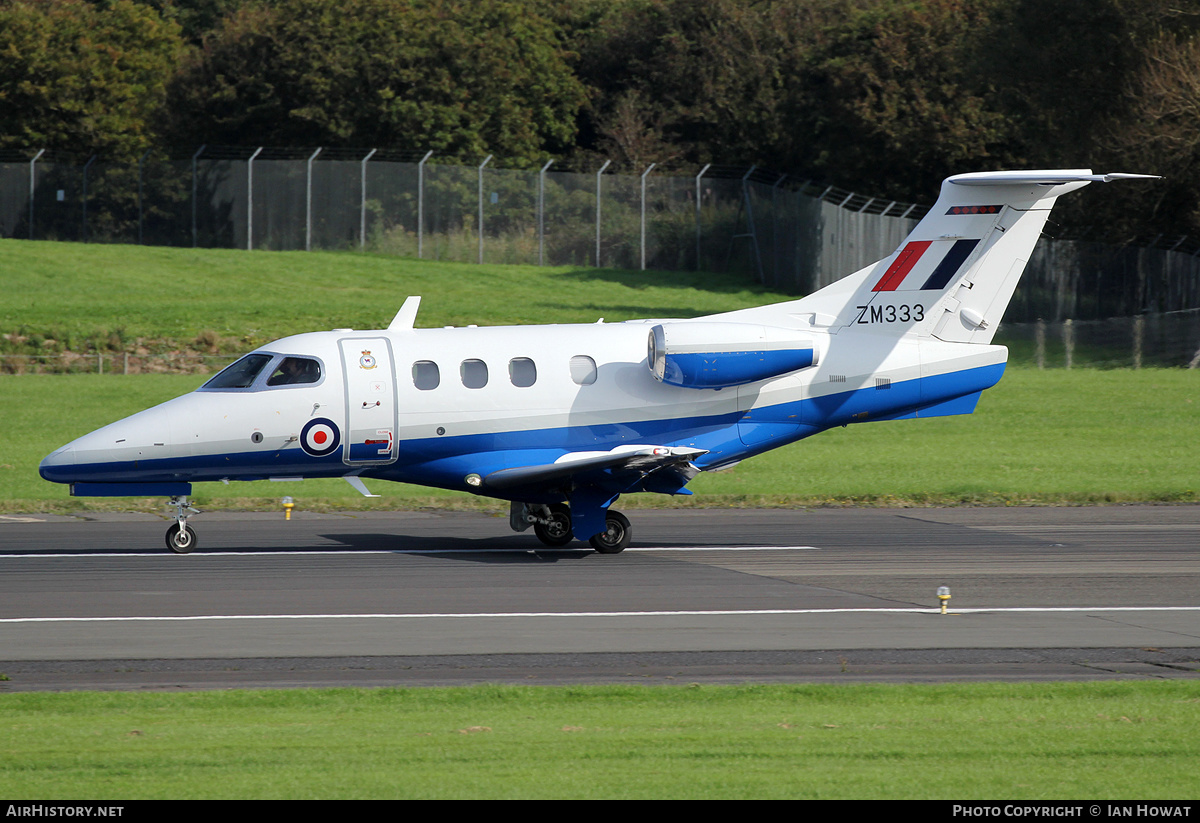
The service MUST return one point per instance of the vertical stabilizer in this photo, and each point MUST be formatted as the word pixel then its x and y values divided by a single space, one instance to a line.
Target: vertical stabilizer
pixel 953 277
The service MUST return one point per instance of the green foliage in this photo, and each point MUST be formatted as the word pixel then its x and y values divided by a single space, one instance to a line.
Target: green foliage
pixel 463 80
pixel 83 76
pixel 892 88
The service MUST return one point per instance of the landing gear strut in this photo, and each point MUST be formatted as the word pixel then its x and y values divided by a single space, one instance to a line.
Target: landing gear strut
pixel 552 525
pixel 181 538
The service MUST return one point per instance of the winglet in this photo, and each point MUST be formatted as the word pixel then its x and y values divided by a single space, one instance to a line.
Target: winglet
pixel 407 316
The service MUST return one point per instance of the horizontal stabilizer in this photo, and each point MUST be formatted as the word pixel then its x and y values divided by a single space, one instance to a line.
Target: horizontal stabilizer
pixel 1043 178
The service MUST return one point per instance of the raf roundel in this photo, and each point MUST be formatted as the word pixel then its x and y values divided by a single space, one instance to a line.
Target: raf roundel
pixel 319 437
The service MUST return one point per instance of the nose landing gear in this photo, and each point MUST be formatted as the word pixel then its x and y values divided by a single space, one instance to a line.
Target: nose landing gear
pixel 181 538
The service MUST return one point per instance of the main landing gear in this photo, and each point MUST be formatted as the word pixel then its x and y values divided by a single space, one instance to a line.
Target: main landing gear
pixel 552 525
pixel 181 538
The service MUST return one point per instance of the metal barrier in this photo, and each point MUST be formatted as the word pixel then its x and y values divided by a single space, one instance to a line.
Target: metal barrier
pixel 782 231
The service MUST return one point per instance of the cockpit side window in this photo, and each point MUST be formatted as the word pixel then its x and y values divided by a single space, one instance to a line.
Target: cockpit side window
pixel 241 374
pixel 293 371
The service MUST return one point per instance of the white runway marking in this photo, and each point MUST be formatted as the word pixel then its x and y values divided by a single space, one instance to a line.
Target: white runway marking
pixel 288 552
pixel 680 613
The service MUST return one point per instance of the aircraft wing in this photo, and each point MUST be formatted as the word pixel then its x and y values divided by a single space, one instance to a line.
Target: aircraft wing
pixel 667 469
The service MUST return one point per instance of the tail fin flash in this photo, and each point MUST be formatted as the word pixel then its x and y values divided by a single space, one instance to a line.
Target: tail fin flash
pixel 953 277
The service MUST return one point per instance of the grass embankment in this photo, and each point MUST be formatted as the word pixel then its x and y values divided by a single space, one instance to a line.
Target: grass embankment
pixel 968 742
pixel 89 297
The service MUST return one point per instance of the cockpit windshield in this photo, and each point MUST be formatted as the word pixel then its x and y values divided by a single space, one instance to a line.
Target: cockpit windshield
pixel 241 374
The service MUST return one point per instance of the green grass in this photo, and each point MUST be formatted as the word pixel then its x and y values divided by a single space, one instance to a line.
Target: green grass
pixel 1039 437
pixel 969 742
pixel 1053 436
pixel 108 296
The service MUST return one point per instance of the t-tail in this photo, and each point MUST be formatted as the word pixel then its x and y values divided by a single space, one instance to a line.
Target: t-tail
pixel 953 277
pixel 910 335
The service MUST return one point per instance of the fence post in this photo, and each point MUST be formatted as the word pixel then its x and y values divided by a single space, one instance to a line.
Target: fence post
pixel 542 212
pixel 602 168
pixel 481 165
pixel 644 174
pixel 421 202
pixel 362 213
pixel 1069 340
pixel 86 166
pixel 308 201
pixel 250 199
pixel 707 166
pixel 752 224
pixel 195 157
pixel 1139 328
pixel 32 178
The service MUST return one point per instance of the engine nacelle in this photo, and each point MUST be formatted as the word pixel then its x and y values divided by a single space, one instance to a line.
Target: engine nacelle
pixel 706 355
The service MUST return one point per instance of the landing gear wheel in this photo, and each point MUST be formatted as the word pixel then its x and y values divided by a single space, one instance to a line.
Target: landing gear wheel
pixel 181 539
pixel 558 531
pixel 616 535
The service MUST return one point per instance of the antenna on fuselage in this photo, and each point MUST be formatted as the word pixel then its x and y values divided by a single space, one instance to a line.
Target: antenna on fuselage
pixel 407 316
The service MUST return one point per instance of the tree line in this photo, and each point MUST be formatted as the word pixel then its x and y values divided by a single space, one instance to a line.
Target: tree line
pixel 881 96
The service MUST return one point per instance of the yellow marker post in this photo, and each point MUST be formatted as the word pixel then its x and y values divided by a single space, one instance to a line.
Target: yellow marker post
pixel 943 595
pixel 288 505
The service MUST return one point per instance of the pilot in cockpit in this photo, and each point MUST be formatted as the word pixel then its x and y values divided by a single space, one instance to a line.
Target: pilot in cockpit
pixel 295 370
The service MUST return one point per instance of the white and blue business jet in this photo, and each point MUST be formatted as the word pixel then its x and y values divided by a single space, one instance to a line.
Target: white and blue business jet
pixel 563 419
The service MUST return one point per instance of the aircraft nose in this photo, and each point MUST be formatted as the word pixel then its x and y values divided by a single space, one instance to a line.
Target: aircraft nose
pixel 56 466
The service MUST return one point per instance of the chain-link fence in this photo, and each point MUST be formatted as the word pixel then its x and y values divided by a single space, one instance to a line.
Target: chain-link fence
pixel 786 233
pixel 1169 339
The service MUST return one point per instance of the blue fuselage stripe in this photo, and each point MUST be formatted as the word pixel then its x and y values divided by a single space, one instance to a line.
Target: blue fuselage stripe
pixel 444 461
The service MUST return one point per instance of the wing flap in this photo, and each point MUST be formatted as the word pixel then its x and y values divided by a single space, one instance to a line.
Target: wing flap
pixel 585 466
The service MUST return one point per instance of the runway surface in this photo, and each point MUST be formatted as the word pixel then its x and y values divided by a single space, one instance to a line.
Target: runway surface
pixel 402 598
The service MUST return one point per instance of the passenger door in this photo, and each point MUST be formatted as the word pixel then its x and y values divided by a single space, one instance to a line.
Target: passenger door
pixel 367 364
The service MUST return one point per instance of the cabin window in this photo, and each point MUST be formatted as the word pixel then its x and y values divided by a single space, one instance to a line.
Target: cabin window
pixel 522 372
pixel 241 374
pixel 474 374
pixel 583 370
pixel 294 371
pixel 426 375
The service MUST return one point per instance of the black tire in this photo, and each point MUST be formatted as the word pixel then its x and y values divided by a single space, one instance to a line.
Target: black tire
pixel 616 535
pixel 557 532
pixel 181 540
